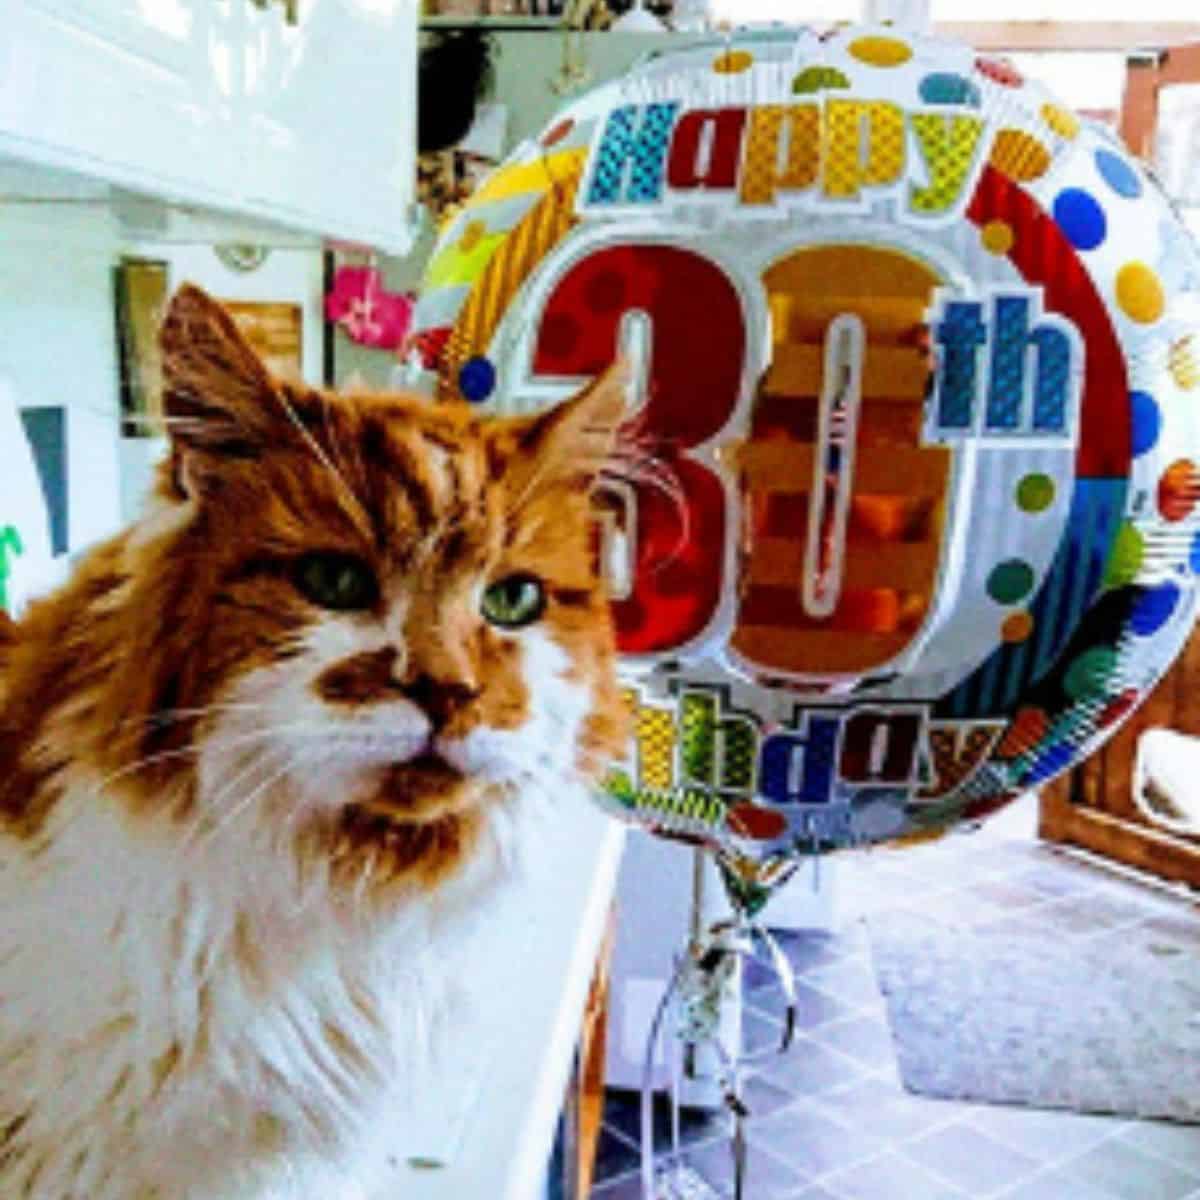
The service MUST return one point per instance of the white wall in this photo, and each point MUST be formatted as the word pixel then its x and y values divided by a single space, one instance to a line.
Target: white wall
pixel 58 347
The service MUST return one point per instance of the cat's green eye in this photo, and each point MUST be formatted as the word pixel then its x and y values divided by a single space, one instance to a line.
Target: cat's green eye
pixel 335 580
pixel 514 601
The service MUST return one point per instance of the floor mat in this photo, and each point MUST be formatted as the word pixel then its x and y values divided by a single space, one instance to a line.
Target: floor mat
pixel 1035 1018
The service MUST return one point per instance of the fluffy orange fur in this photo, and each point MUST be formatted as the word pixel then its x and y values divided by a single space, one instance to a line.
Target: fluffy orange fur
pixel 123 671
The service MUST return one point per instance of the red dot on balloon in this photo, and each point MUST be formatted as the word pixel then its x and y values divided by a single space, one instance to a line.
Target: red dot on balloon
pixel 605 292
pixel 559 333
pixel 556 133
pixel 1000 72
pixel 1178 490
pixel 760 824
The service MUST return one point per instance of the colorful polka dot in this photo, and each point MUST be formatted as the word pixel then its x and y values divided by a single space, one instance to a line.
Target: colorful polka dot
pixel 1035 493
pixel 997 237
pixel 733 62
pixel 605 292
pixel 1140 293
pixel 1126 557
pixel 1060 121
pixel 557 133
pixel 880 51
pixel 1089 676
pixel 1177 490
pixel 559 335
pixel 1146 420
pixel 999 71
pixel 1017 628
pixel 472 236
pixel 1194 554
pixel 1010 581
pixel 477 379
pixel 1153 609
pixel 1019 155
pixel 1184 364
pixel 1118 174
pixel 1080 218
pixel 818 79
pixel 946 87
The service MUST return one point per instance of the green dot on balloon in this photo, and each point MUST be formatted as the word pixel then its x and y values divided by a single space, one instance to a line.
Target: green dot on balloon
pixel 1125 559
pixel 1090 675
pixel 1010 581
pixel 1035 493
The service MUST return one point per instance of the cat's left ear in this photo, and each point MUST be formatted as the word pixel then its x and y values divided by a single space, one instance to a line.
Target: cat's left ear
pixel 218 397
pixel 573 443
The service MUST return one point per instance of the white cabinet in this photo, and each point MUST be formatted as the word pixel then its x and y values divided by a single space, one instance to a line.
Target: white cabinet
pixel 224 104
pixel 330 110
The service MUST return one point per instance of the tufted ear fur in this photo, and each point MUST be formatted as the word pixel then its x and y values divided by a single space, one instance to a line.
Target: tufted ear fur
pixel 218 397
pixel 571 444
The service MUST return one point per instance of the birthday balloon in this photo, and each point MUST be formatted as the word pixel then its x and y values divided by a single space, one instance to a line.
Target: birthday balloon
pixel 919 375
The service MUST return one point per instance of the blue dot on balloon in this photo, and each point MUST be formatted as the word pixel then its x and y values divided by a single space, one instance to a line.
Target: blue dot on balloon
pixel 1118 174
pixel 1146 420
pixel 1080 218
pixel 1194 554
pixel 945 87
pixel 1153 608
pixel 477 379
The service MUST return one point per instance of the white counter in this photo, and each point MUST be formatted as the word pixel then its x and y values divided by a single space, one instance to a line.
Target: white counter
pixel 497 1104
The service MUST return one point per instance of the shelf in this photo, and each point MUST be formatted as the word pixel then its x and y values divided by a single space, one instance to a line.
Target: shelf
pixel 513 24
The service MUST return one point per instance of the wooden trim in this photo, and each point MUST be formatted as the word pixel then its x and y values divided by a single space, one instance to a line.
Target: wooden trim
pixel 592 1055
pixel 1114 36
pixel 1144 80
pixel 1152 850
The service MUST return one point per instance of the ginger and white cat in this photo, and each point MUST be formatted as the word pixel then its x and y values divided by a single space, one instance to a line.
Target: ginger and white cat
pixel 261 755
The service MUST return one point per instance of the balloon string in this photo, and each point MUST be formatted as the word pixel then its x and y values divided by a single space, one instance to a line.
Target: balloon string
pixel 704 962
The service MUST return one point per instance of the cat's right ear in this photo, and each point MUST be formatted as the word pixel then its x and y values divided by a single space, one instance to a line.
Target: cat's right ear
pixel 218 397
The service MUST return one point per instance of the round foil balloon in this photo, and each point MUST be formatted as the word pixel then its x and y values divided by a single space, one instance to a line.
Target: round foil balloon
pixel 919 378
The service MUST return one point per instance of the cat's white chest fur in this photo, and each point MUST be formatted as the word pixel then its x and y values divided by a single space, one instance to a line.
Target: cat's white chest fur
pixel 195 1023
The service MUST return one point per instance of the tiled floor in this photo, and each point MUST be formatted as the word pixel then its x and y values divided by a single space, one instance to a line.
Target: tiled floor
pixel 831 1121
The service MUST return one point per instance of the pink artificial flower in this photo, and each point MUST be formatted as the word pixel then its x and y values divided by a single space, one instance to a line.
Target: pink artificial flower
pixel 370 315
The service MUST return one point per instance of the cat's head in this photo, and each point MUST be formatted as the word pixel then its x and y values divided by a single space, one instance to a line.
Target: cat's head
pixel 385 611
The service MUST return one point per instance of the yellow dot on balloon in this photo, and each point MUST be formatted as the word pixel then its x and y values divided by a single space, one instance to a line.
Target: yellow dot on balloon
pixel 997 236
pixel 1065 124
pixel 880 51
pixel 1139 293
pixel 1184 361
pixel 1020 155
pixel 733 62
pixel 471 236
pixel 1017 627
